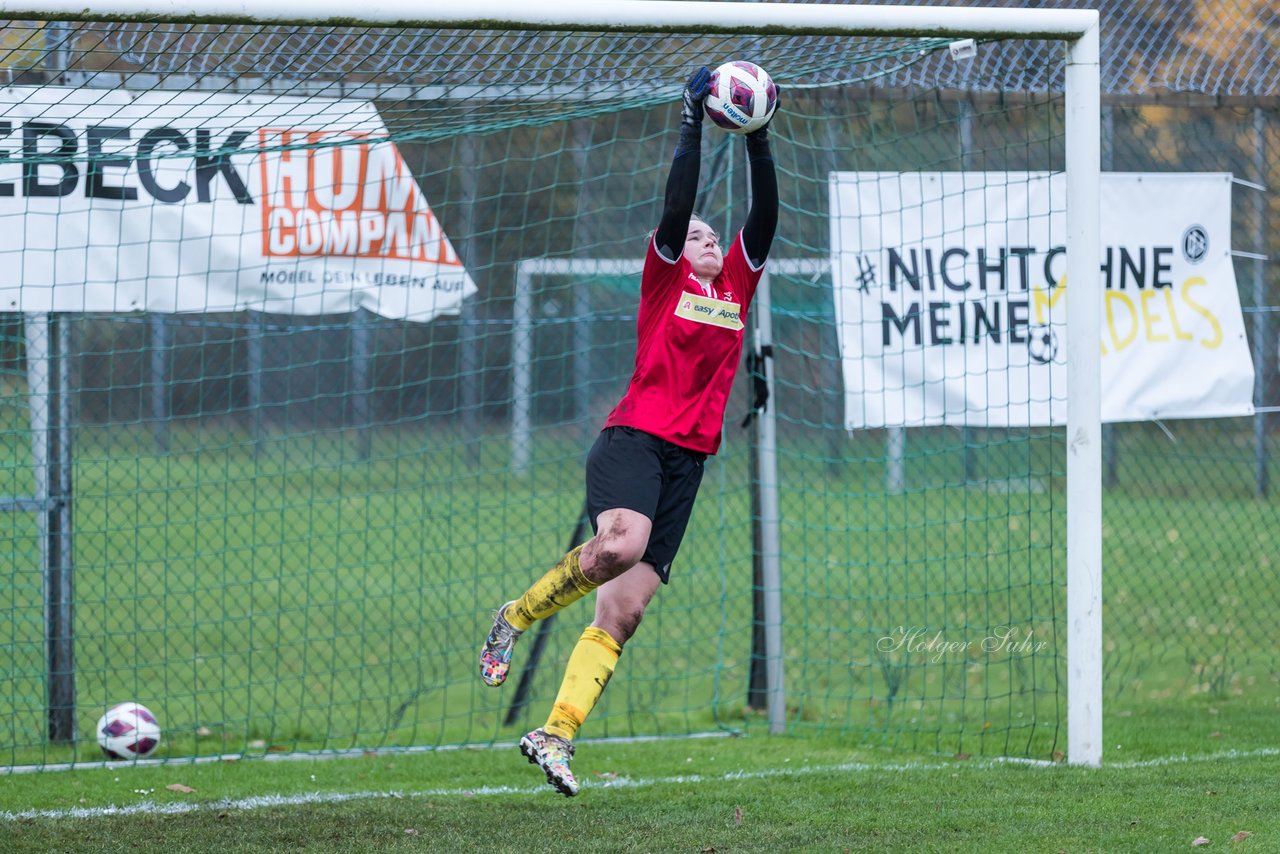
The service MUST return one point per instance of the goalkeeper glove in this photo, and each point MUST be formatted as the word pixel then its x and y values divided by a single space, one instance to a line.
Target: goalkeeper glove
pixel 695 92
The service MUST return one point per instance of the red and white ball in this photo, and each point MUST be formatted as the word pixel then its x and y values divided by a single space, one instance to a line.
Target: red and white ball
pixel 128 731
pixel 742 97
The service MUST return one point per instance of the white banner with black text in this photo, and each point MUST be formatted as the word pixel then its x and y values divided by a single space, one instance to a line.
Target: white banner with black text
pixel 950 298
pixel 159 201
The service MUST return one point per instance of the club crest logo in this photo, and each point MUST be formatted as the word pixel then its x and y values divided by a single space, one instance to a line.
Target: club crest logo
pixel 1195 244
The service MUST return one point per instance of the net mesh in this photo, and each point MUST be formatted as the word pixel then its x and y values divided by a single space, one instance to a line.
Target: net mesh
pixel 290 528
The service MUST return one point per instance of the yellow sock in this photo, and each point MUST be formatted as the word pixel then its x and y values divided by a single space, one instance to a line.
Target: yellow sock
pixel 563 585
pixel 589 669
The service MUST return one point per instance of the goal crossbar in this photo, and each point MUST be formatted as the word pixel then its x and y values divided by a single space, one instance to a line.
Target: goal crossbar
pixel 589 15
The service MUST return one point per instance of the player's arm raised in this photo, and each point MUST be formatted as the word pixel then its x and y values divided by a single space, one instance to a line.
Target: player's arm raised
pixel 762 219
pixel 682 181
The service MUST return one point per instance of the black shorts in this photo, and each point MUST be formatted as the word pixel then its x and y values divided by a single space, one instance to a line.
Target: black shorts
pixel 632 469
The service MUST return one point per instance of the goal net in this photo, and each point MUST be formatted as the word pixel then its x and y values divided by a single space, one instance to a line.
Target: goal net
pixel 321 321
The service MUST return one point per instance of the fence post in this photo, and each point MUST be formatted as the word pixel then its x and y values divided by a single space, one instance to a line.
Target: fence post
pixel 255 347
pixel 1110 453
pixel 832 395
pixel 770 553
pixel 160 350
pixel 48 377
pixel 584 239
pixel 469 363
pixel 1262 352
pixel 967 433
pixel 361 380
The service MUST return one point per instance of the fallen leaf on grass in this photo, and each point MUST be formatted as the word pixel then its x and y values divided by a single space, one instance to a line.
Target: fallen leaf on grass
pixel 1058 756
pixel 1198 841
pixel 737 816
pixel 411 831
pixel 1241 836
pixel 178 787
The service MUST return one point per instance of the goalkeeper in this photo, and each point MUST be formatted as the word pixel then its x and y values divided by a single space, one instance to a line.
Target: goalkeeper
pixel 644 469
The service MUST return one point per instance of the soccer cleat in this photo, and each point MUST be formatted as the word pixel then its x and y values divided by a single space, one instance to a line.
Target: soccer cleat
pixel 551 753
pixel 495 655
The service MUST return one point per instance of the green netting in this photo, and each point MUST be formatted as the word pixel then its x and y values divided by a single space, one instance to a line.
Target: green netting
pixel 289 531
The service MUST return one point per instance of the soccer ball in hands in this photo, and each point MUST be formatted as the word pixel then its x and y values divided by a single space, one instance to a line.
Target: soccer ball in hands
pixel 742 97
pixel 128 731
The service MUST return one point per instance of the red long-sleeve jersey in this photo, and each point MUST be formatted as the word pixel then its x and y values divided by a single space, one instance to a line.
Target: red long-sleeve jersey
pixel 688 349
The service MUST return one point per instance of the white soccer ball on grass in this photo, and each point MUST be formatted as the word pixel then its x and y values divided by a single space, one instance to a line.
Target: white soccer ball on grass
pixel 128 731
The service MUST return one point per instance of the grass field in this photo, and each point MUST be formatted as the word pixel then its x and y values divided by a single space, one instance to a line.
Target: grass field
pixel 721 794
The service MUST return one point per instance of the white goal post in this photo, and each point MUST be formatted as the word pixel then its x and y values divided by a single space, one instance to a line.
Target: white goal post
pixel 1077 29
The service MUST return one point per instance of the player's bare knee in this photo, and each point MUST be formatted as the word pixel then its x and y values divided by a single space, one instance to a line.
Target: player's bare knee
pixel 612 552
pixel 610 561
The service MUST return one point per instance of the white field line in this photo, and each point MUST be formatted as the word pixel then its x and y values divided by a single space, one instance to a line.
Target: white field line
pixel 313 798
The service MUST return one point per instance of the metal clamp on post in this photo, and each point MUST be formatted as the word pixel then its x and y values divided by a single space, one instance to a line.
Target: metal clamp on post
pixel 759 379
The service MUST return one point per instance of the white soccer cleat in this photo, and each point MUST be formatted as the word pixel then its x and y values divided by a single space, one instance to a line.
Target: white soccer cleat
pixel 551 753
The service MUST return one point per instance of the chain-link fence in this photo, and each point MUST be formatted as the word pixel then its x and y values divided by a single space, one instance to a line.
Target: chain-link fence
pixel 290 404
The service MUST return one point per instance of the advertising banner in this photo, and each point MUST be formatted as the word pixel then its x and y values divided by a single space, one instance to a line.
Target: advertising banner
pixel 113 201
pixel 950 298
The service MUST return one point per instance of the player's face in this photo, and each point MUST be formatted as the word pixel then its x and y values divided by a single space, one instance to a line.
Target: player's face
pixel 702 250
